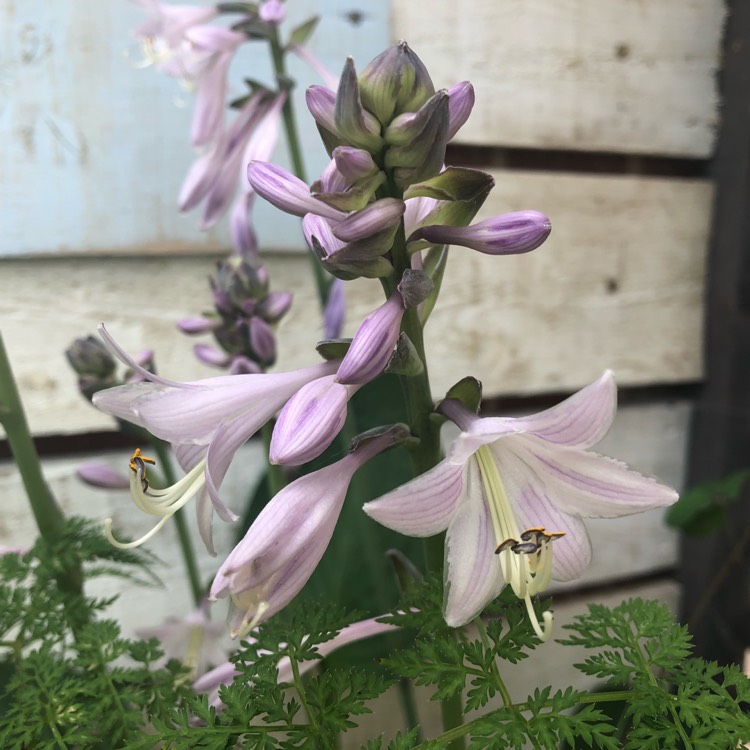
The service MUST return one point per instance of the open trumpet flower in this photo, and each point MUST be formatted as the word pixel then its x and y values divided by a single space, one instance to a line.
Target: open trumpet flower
pixel 511 494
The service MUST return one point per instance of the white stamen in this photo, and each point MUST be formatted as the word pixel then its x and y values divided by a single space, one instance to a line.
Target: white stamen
pixel 526 564
pixel 165 502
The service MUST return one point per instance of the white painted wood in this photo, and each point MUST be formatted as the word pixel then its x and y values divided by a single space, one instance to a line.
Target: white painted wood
pixel 622 76
pixel 544 321
pixel 95 148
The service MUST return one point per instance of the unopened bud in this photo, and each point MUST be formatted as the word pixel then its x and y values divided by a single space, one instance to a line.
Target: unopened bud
pixel 355 125
pixel 395 81
pixel 88 356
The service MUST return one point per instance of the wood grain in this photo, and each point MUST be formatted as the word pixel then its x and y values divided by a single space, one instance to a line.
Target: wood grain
pixel 620 76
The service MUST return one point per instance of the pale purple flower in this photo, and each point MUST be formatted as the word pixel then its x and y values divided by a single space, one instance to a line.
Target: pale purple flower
pixel 202 60
pixel 310 421
pixel 262 142
pixel 282 548
pixel 334 312
pixel 165 30
pixel 505 234
pixel 225 673
pixel 511 494
pixel 103 476
pixel 195 640
pixel 373 343
pixel 6 550
pixel 206 421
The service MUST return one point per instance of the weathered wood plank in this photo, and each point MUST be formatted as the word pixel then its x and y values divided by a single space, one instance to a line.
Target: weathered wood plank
pixel 621 76
pixel 619 284
pixel 650 438
pixel 95 148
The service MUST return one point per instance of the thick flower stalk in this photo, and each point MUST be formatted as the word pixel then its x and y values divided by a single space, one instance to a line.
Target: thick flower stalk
pixel 282 548
pixel 206 421
pixel 511 494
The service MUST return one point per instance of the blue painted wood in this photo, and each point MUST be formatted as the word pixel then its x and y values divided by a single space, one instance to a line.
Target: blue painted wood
pixel 93 149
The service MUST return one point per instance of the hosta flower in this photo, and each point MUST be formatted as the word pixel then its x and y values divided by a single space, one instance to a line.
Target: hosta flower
pixel 282 548
pixel 511 494
pixel 206 421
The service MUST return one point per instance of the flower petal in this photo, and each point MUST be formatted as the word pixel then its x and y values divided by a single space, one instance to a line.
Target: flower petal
pixel 425 505
pixel 591 485
pixel 580 421
pixel 472 570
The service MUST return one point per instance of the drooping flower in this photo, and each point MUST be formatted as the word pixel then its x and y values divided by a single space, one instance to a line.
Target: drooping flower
pixel 282 548
pixel 334 311
pixel 511 494
pixel 103 476
pixel 206 421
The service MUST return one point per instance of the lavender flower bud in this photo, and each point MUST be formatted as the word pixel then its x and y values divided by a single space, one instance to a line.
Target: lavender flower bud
pixel 373 344
pixel 322 105
pixel 272 11
pixel 310 421
pixel 90 357
pixel 196 325
pixel 382 214
pixel 275 306
pixel 395 81
pixel 506 234
pixel 460 104
pixel 211 356
pixel 335 311
pixel 287 192
pixel 353 163
pixel 262 341
pixel 100 475
pixel 244 366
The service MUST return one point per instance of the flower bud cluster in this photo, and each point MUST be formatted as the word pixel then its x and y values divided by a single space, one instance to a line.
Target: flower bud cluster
pixel 243 319
pixel 97 368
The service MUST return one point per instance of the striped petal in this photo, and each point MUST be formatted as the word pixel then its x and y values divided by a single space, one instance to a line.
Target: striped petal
pixel 472 570
pixel 590 485
pixel 425 505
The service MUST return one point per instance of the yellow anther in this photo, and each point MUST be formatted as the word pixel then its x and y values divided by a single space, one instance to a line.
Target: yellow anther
pixel 139 461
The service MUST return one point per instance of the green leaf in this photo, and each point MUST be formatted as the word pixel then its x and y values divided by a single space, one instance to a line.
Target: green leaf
pixel 702 509
pixel 300 34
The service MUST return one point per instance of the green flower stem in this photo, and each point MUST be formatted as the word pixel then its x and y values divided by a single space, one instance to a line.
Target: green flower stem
pixel 451 735
pixel 47 513
pixel 502 689
pixel 183 533
pixel 295 149
pixel 297 679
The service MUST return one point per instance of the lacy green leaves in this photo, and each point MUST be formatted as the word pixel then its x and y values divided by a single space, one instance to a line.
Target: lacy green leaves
pixel 672 700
